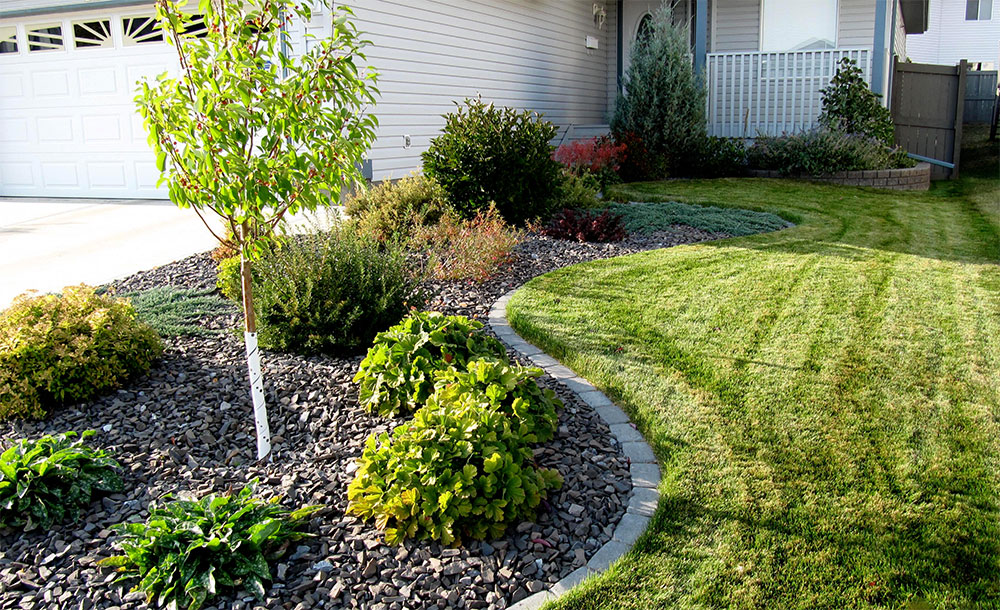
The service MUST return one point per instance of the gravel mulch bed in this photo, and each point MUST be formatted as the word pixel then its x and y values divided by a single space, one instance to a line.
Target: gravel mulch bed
pixel 187 427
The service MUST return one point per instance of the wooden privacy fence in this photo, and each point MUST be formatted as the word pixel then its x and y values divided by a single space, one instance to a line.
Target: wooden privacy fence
pixel 980 95
pixel 771 93
pixel 928 103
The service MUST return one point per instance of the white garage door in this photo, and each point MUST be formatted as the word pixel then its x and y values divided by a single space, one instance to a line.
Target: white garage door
pixel 68 126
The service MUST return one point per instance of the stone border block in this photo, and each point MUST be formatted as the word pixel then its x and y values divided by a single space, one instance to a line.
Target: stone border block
pixel 644 471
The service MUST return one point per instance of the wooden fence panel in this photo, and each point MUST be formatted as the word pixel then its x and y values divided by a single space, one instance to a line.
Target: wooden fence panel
pixel 928 103
pixel 980 95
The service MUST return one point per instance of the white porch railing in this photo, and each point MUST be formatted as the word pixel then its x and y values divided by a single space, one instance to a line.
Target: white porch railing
pixel 771 93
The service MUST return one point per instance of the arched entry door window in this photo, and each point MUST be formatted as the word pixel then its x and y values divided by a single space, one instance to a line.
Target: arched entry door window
pixel 645 29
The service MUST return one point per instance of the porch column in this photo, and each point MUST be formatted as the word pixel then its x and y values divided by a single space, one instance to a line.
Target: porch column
pixel 880 50
pixel 701 37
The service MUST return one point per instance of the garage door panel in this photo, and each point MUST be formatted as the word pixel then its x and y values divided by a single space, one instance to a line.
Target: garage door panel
pixel 68 124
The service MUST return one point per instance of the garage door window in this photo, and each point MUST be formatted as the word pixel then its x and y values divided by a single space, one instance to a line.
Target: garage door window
pixel 45 37
pixel 141 30
pixel 8 39
pixel 92 34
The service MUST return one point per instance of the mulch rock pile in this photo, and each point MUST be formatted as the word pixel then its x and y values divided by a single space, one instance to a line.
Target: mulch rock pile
pixel 187 428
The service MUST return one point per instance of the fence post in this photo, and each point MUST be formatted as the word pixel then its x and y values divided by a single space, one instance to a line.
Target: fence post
pixel 963 67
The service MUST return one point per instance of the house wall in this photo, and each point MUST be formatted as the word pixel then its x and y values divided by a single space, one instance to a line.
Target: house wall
pixel 950 38
pixel 856 25
pixel 899 36
pixel 519 53
pixel 736 26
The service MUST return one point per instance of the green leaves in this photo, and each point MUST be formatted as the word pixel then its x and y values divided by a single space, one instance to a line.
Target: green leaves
pixel 57 349
pixel 459 468
pixel 52 479
pixel 251 128
pixel 187 548
pixel 463 466
pixel 397 375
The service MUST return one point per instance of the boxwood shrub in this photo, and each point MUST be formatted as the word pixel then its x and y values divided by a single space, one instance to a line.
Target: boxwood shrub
pixel 66 348
pixel 398 374
pixel 459 468
pixel 493 154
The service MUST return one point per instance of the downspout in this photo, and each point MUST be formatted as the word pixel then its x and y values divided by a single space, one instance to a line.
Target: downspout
pixel 621 45
pixel 700 37
pixel 892 55
pixel 879 51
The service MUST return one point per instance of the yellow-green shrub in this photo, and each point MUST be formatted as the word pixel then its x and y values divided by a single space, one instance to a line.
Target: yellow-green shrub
pixel 395 209
pixel 61 349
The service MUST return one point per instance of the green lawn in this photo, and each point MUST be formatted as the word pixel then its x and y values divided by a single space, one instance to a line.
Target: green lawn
pixel 824 401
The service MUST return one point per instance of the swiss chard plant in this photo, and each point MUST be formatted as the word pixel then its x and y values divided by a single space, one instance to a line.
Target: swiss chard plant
pixel 187 551
pixel 460 468
pixel 510 389
pixel 53 479
pixel 398 374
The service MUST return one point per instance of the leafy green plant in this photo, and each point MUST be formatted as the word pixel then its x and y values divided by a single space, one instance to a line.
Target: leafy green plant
pixel 53 479
pixel 651 217
pixel 328 291
pixel 170 310
pixel 661 113
pixel 253 130
pixel 511 389
pixel 457 469
pixel 66 348
pixel 473 249
pixel 849 106
pixel 187 550
pixel 398 374
pixel 395 209
pixel 823 151
pixel 487 154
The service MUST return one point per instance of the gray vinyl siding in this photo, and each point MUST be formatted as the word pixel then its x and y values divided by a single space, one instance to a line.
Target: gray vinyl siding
pixel 521 53
pixel 612 58
pixel 736 26
pixel 856 27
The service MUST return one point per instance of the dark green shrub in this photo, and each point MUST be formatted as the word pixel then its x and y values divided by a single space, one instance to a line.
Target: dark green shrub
pixel 488 154
pixel 53 479
pixel 849 106
pixel 187 550
pixel 173 311
pixel 457 469
pixel 650 217
pixel 398 374
pixel 508 388
pixel 394 209
pixel 662 112
pixel 823 151
pixel 720 157
pixel 327 292
pixel 62 349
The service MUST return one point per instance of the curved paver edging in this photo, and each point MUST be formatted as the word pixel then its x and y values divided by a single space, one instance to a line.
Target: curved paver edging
pixel 642 463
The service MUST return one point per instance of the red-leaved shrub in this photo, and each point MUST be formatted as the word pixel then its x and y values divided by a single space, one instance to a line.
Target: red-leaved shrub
pixel 586 225
pixel 592 155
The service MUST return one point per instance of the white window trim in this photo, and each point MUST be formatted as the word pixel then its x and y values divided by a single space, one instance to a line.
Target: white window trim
pixel 760 21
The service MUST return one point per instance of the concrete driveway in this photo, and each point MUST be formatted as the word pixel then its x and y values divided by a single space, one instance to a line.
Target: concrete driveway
pixel 46 244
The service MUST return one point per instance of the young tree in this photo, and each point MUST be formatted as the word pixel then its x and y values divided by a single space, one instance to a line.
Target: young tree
pixel 662 109
pixel 850 106
pixel 251 134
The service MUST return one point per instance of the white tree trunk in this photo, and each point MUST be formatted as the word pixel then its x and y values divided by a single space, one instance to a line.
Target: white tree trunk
pixel 257 393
